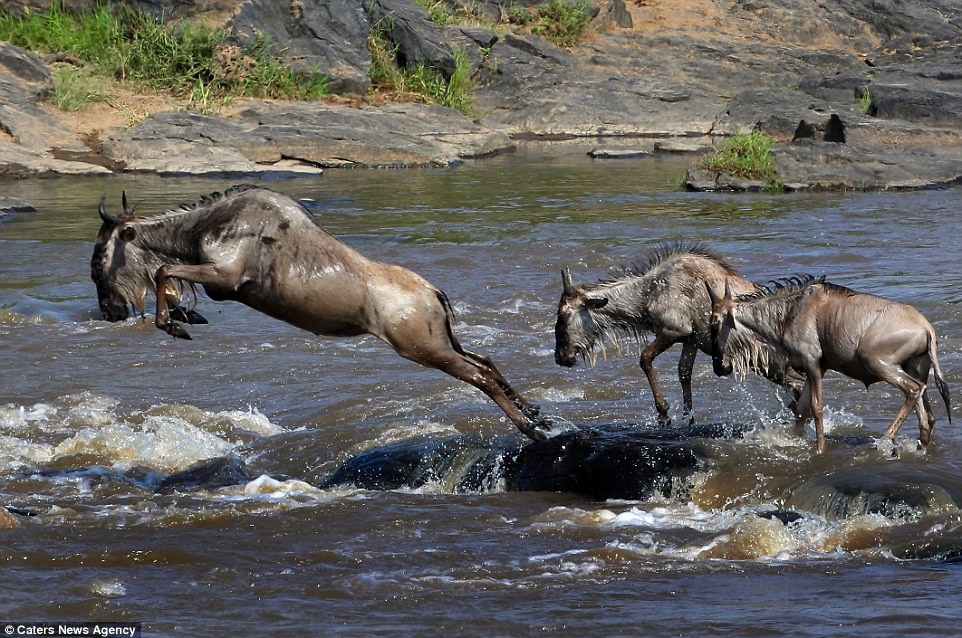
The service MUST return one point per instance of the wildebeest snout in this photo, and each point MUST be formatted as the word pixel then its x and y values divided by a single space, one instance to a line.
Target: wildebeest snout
pixel 565 359
pixel 719 365
pixel 114 309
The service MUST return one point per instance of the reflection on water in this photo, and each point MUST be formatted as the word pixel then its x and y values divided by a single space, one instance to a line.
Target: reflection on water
pixel 766 536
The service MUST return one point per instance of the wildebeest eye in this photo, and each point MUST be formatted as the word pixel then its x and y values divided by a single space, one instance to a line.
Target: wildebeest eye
pixel 128 234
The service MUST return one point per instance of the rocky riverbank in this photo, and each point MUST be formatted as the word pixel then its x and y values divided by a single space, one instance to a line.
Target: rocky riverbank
pixel 649 73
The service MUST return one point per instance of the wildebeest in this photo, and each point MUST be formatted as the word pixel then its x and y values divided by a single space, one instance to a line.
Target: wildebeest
pixel 821 326
pixel 263 249
pixel 665 295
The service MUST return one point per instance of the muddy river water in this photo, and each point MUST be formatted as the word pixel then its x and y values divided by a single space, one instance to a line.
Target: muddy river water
pixel 94 415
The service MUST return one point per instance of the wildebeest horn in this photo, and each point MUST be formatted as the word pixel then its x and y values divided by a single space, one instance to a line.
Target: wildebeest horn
pixel 569 289
pixel 728 290
pixel 104 215
pixel 711 294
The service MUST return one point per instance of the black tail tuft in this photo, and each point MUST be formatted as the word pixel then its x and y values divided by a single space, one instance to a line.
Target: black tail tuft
pixel 449 321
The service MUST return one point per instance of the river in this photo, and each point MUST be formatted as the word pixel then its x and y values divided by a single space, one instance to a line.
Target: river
pixel 93 415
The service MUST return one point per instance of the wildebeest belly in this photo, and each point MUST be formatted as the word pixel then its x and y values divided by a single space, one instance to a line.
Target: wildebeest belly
pixel 334 306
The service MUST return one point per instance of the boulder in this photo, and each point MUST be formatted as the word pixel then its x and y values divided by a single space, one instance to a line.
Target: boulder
pixel 312 135
pixel 315 37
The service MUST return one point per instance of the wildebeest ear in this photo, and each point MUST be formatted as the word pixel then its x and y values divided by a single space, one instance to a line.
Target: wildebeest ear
pixel 594 304
pixel 123 200
pixel 128 234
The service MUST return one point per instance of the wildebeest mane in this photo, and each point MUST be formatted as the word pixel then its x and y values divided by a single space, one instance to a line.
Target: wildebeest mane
pixel 788 286
pixel 210 199
pixel 661 253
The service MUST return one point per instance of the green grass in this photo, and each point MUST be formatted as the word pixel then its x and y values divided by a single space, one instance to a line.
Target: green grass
pixel 421 82
pixel 748 156
pixel 191 61
pixel 75 88
pixel 864 96
pixel 562 23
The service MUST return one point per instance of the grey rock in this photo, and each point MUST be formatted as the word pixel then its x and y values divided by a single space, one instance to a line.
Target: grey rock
pixel 832 166
pixel 416 38
pixel 13 205
pixel 315 37
pixel 785 67
pixel 313 136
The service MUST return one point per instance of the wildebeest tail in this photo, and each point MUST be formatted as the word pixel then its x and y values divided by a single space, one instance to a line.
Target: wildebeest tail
pixel 939 381
pixel 449 320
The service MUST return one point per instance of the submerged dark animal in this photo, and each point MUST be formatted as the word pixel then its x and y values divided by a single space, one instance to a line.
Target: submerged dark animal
pixel 664 296
pixel 820 326
pixel 263 249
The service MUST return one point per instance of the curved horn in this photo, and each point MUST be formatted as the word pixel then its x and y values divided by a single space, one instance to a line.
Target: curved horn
pixel 569 289
pixel 104 215
pixel 728 290
pixel 712 297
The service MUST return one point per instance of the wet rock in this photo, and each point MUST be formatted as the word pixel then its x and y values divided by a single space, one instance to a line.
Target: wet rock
pixel 832 166
pixel 599 463
pixel 893 492
pixel 210 474
pixel 13 205
pixel 603 466
pixel 786 517
pixel 465 463
pixel 617 153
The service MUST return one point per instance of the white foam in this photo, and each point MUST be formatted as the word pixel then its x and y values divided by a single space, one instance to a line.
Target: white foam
pixel 164 439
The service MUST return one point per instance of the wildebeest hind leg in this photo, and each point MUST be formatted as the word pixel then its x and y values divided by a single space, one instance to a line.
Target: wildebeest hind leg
pixel 528 409
pixel 911 387
pixel 926 420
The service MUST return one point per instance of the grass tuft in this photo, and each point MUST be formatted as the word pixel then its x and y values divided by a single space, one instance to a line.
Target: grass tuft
pixel 748 156
pixel 421 82
pixel 561 22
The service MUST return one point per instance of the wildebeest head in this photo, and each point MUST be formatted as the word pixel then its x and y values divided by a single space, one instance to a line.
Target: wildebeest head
pixel 118 267
pixel 721 324
pixel 577 330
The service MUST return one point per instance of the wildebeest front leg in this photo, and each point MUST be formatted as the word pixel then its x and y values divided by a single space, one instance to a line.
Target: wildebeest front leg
pixel 204 274
pixel 685 366
pixel 655 348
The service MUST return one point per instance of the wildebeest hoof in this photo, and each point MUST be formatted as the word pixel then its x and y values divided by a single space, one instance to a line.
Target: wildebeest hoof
pixel 176 330
pixel 187 316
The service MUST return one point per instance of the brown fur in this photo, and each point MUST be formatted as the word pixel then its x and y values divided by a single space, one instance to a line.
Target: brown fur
pixel 263 249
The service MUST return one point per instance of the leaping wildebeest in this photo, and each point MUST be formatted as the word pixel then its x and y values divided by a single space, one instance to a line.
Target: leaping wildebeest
pixel 263 249
pixel 820 326
pixel 664 295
